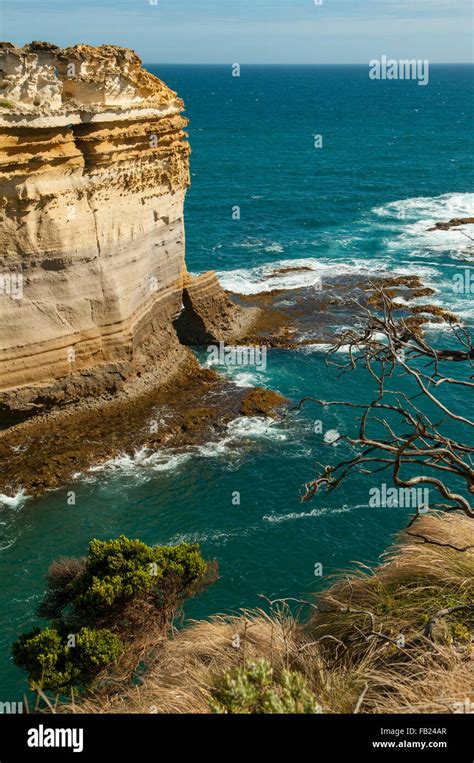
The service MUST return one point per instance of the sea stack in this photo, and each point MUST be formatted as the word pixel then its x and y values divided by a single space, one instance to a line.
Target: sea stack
pixel 93 173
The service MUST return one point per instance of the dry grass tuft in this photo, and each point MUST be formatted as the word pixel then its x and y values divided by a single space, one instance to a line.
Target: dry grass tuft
pixel 350 648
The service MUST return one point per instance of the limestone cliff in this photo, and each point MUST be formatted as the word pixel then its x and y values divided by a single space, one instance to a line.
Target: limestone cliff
pixel 93 173
pixel 209 315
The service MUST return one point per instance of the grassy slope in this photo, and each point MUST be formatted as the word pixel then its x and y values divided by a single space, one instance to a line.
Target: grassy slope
pixel 349 648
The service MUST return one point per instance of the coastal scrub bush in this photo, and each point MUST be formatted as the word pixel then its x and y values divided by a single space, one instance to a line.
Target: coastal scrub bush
pixel 121 572
pixel 119 594
pixel 53 665
pixel 61 577
pixel 255 689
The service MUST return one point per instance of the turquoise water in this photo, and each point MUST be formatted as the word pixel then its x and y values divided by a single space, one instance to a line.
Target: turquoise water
pixel 395 159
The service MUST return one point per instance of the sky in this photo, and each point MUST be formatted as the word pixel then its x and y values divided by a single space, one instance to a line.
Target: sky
pixel 251 31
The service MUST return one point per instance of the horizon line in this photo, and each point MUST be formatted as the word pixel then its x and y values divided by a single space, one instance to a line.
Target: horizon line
pixel 226 63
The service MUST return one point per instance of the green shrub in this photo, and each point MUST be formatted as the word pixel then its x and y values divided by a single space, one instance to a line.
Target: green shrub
pixel 88 596
pixel 93 590
pixel 460 632
pixel 255 689
pixel 52 665
pixel 120 570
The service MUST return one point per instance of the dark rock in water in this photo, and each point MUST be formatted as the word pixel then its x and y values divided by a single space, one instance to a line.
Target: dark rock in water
pixel 314 314
pixel 46 451
pixel 454 223
pixel 260 401
pixel 292 269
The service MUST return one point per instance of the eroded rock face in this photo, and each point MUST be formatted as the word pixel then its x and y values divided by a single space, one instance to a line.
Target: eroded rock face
pixel 209 315
pixel 45 83
pixel 93 173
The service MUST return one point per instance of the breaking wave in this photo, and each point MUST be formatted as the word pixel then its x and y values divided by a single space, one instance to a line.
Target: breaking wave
pixel 413 218
pixel 293 516
pixel 309 272
pixel 146 460
pixel 13 502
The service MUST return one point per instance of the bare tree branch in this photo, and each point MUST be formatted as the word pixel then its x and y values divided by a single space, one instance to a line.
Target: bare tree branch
pixel 404 436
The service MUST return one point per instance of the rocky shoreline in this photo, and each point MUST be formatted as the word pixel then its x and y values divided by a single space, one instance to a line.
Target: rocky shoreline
pixel 50 450
pixel 95 357
pixel 315 314
pixel 194 404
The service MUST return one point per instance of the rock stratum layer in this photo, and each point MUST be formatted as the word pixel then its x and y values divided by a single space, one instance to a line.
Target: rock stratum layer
pixel 93 173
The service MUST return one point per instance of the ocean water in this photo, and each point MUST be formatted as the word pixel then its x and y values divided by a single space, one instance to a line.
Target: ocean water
pixel 396 158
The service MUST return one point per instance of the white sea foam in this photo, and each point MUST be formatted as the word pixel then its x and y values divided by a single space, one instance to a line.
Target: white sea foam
pixel 318 512
pixel 213 449
pixel 246 379
pixel 264 278
pixel 220 537
pixel 433 208
pixel 418 214
pixel 321 347
pixel 331 436
pixel 155 460
pixel 148 462
pixel 8 544
pixel 310 272
pixel 255 427
pixel 241 378
pixel 463 311
pixel 433 327
pixel 14 501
